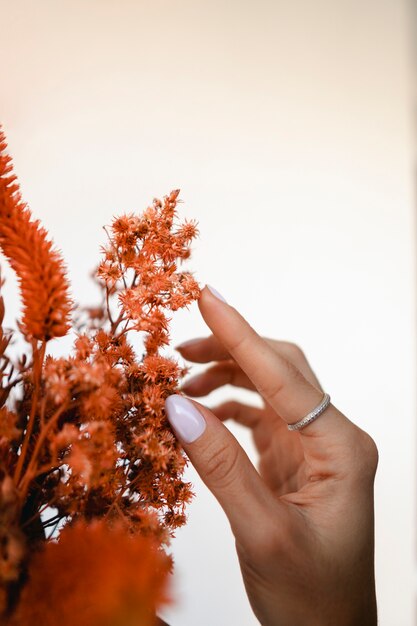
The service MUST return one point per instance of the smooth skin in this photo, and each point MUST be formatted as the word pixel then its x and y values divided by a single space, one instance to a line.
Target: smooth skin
pixel 303 523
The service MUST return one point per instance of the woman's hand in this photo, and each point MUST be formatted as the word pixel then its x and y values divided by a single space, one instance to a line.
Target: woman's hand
pixel 303 524
pixel 281 457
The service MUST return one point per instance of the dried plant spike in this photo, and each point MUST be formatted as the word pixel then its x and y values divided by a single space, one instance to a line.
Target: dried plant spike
pixel 39 267
pixel 91 474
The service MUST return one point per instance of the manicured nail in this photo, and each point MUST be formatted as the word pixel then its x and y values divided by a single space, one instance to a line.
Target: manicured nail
pixel 185 419
pixel 187 344
pixel 216 293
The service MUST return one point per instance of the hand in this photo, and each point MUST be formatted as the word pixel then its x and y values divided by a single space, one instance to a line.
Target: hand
pixel 281 457
pixel 304 524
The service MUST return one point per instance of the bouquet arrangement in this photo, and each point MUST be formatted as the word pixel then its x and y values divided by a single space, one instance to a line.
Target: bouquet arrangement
pixel 91 485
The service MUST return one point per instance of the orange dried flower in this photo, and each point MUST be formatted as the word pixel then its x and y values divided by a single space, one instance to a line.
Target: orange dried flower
pixel 85 445
pixel 95 576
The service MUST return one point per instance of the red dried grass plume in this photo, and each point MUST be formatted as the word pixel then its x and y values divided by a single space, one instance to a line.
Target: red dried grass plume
pixel 40 269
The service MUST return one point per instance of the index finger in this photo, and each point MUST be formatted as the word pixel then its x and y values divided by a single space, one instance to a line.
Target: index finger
pixel 279 382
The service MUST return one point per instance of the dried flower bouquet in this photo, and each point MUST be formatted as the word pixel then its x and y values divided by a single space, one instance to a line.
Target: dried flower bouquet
pixel 85 447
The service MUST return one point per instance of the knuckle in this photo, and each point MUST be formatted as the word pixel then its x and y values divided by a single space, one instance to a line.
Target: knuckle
pixel 294 352
pixel 271 392
pixel 366 455
pixel 236 344
pixel 290 372
pixel 222 465
pixel 371 452
pixel 239 343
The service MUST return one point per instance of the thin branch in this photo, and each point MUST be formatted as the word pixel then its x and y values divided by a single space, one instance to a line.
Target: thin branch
pixel 37 374
pixel 30 471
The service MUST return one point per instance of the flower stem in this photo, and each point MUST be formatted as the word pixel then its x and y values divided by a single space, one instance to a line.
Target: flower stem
pixel 39 356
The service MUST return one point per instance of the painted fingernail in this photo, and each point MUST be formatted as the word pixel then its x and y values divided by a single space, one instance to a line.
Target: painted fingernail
pixel 187 344
pixel 216 293
pixel 185 419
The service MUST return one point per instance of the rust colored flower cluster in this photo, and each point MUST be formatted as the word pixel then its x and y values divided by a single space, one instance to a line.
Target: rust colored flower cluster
pixel 85 445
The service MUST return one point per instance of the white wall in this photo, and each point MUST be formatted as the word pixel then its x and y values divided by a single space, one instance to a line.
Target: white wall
pixel 287 127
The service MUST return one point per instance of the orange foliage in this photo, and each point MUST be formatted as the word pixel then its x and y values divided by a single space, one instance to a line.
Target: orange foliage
pixel 94 576
pixel 85 443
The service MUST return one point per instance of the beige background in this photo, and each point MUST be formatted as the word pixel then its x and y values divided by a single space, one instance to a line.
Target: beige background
pixel 287 126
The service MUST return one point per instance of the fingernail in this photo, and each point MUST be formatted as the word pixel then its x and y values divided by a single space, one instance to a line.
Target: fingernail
pixel 187 344
pixel 185 419
pixel 216 293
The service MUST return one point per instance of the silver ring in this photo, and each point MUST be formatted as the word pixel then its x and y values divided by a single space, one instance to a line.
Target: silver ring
pixel 315 413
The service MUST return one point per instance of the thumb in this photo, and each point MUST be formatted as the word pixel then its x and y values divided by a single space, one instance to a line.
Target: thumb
pixel 223 465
